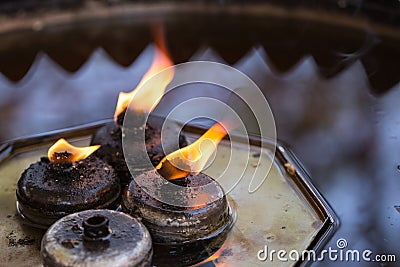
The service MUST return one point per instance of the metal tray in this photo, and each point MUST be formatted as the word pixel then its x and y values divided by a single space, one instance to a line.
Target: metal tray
pixel 286 213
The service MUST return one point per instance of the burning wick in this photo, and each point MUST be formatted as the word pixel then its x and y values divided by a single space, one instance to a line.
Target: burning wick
pixel 193 158
pixel 64 152
pixel 67 181
pixel 144 99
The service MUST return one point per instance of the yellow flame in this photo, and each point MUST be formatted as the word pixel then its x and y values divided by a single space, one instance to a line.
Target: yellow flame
pixel 145 99
pixel 193 158
pixel 74 153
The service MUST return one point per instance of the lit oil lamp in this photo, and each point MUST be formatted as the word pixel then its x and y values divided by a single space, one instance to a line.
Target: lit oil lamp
pixel 70 179
pixel 110 136
pixel 97 238
pixel 183 235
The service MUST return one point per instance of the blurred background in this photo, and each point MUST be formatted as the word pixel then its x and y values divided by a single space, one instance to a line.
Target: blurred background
pixel 329 69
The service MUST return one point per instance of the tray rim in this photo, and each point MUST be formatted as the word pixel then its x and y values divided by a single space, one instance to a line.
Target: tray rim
pixel 303 185
pixel 300 179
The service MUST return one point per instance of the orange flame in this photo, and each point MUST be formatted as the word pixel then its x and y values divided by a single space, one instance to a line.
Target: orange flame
pixel 193 158
pixel 214 256
pixel 62 151
pixel 144 99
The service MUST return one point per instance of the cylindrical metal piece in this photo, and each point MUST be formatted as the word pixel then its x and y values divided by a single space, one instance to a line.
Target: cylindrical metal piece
pixel 97 238
pixel 111 151
pixel 181 235
pixel 48 191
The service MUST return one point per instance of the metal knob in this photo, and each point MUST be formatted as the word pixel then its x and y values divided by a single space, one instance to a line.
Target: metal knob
pixel 96 228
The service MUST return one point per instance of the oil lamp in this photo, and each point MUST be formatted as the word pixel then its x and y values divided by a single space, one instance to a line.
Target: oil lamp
pixel 68 180
pixel 97 238
pixel 189 233
pixel 145 99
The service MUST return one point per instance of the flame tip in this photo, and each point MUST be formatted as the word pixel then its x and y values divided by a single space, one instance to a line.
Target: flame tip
pixel 75 153
pixel 194 157
pixel 145 99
